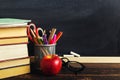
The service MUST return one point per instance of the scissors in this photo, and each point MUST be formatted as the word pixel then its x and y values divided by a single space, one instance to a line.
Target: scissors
pixel 34 33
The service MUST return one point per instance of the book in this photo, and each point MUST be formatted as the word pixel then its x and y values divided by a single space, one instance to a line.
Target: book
pixel 9 21
pixel 13 51
pixel 18 31
pixel 14 62
pixel 14 71
pixel 12 25
pixel 14 59
pixel 13 40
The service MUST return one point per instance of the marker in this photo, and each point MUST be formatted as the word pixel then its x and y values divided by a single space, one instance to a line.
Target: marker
pixel 54 38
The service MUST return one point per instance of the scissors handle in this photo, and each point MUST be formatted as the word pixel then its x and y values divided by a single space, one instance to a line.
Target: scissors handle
pixel 29 35
pixel 39 30
pixel 33 33
pixel 31 27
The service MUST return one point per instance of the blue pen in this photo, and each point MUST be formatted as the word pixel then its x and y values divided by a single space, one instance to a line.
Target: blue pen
pixel 45 39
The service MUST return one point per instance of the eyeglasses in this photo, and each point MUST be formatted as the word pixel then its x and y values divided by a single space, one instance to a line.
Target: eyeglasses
pixel 73 66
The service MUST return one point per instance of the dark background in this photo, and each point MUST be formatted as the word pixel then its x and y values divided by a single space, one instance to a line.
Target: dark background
pixel 91 27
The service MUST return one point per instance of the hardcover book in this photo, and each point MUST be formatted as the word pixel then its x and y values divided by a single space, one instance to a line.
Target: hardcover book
pixel 18 31
pixel 14 71
pixel 9 21
pixel 13 40
pixel 14 62
pixel 13 51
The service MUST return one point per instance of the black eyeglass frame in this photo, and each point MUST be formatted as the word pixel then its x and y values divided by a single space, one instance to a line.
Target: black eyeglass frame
pixel 71 68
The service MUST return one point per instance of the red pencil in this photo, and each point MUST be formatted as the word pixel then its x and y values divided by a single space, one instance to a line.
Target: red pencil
pixel 58 36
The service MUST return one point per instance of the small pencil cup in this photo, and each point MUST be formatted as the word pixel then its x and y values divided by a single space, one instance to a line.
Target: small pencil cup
pixel 41 50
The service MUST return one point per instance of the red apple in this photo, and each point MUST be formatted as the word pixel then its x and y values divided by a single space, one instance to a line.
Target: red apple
pixel 51 64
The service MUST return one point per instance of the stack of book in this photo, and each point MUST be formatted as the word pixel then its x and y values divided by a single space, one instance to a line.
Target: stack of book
pixel 14 58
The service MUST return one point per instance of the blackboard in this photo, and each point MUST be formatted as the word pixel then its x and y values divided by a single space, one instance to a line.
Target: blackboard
pixel 90 27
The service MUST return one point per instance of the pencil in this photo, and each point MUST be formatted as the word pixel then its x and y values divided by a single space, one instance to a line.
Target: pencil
pixel 58 36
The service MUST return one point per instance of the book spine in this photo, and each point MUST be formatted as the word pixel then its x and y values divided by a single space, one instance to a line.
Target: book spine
pixel 14 44
pixel 13 37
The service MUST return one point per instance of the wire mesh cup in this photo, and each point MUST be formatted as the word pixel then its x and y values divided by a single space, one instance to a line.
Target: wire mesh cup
pixel 42 50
